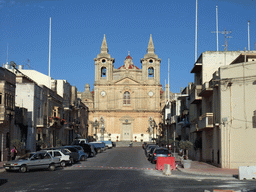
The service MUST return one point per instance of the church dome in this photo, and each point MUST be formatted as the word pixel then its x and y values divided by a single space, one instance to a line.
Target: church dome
pixel 128 57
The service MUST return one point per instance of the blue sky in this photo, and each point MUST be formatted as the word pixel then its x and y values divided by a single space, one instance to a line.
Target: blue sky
pixel 78 27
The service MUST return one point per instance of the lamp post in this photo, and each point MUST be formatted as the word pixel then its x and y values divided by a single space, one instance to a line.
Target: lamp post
pixel 96 125
pixel 102 128
pixel 159 133
pixel 150 127
pixel 154 126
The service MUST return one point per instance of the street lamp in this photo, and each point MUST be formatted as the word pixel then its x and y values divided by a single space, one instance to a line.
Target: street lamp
pixel 96 125
pixel 154 126
pixel 150 127
pixel 102 128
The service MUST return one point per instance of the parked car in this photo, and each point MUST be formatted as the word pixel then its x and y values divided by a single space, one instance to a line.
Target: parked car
pixel 97 147
pixel 113 144
pixel 34 160
pixel 82 155
pixel 64 158
pixel 148 147
pixel 150 151
pixel 93 150
pixel 72 151
pixel 88 149
pixel 144 144
pixel 100 146
pixel 159 152
pixel 108 144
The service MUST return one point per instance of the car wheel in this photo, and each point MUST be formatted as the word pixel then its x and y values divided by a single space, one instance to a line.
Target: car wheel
pixel 62 163
pixel 98 150
pixel 82 158
pixel 23 168
pixel 92 154
pixel 87 154
pixel 72 160
pixel 51 167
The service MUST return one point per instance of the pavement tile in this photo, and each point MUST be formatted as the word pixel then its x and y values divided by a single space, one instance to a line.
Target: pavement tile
pixel 202 168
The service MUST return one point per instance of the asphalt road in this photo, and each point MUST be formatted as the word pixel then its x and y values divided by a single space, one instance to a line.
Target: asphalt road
pixel 117 169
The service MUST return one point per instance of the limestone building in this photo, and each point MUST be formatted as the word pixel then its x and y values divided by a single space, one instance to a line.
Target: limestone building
pixel 124 98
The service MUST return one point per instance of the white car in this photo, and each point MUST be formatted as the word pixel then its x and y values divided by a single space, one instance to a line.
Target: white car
pixel 64 158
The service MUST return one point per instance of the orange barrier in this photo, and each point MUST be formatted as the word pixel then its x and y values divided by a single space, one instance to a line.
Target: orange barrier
pixel 165 160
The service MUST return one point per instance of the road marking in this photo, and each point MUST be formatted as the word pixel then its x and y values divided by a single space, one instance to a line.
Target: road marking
pixel 106 167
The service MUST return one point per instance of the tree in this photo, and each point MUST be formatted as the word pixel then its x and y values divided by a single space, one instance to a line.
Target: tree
pixel 185 145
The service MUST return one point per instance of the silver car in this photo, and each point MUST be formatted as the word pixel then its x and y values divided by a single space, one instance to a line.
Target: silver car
pixel 34 160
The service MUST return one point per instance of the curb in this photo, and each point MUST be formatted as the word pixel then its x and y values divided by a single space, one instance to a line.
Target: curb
pixel 205 174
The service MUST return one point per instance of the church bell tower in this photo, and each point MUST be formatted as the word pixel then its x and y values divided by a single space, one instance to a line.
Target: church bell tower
pixel 151 65
pixel 103 64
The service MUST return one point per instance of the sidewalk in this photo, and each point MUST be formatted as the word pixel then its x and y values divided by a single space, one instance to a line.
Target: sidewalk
pixel 1 166
pixel 202 168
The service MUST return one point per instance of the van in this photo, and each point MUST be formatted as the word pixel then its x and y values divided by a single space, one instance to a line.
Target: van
pixel 78 141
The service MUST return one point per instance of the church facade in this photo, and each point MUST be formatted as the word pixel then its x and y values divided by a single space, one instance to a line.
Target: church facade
pixel 125 100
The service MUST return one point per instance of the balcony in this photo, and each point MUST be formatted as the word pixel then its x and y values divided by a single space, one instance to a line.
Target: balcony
pixel 194 96
pixel 68 126
pixel 206 90
pixel 174 119
pixel 2 114
pixel 205 121
pixel 183 122
pixel 42 122
pixel 5 114
pixel 56 122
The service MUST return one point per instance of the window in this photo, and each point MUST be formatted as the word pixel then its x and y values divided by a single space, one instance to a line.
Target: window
pixel 0 98
pixel 150 72
pixel 103 72
pixel 127 98
pixel 46 156
pixel 57 154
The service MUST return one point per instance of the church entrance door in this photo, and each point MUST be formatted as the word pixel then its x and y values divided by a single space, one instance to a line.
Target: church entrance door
pixel 126 132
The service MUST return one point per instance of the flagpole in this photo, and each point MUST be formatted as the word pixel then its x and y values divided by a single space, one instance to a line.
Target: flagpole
pixel 217 28
pixel 49 72
pixel 249 36
pixel 196 35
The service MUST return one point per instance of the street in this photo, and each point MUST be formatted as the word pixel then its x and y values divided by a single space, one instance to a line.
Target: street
pixel 117 169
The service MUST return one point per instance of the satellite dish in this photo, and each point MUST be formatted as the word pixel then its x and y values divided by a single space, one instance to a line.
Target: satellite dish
pixel 13 64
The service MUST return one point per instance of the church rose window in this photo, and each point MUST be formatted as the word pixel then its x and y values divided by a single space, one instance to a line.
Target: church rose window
pixel 127 98
pixel 150 72
pixel 103 72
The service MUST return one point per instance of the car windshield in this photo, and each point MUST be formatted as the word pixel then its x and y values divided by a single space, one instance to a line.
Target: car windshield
pixel 72 149
pixel 26 156
pixel 161 151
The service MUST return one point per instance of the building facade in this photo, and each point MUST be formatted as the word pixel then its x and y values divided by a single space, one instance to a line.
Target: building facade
pixel 223 108
pixel 126 98
pixel 7 111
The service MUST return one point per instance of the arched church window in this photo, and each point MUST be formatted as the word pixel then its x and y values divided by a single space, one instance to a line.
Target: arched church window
pixel 103 72
pixel 150 72
pixel 127 98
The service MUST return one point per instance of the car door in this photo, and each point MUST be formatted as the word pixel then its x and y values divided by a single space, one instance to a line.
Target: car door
pixel 35 161
pixel 46 160
pixel 57 154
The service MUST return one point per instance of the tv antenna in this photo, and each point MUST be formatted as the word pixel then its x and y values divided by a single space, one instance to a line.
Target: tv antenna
pixel 27 63
pixel 225 32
